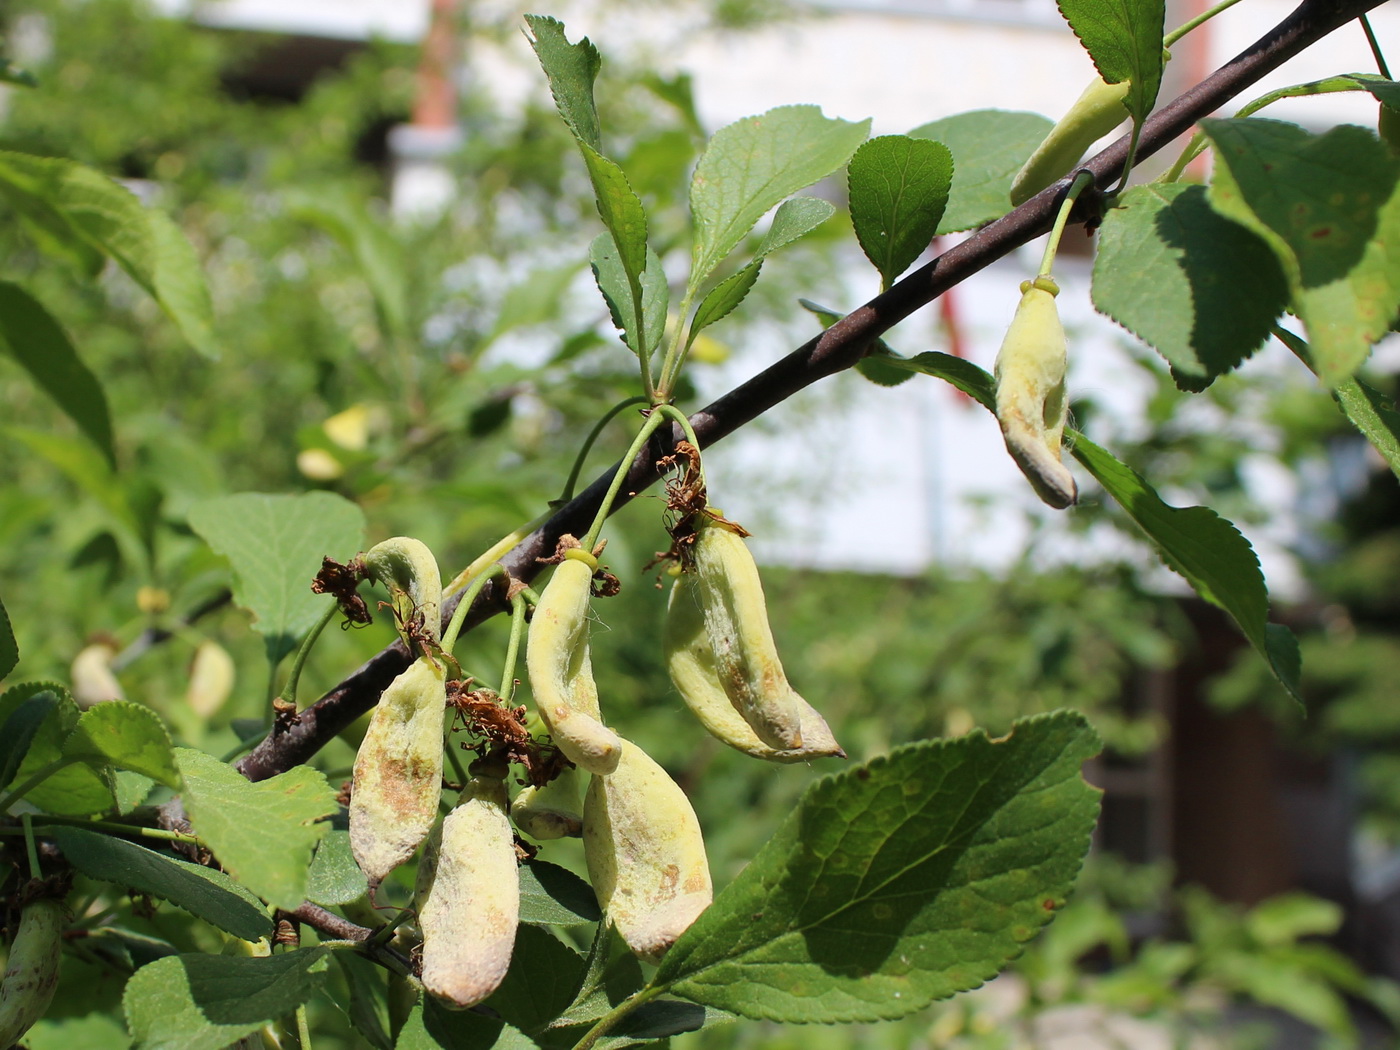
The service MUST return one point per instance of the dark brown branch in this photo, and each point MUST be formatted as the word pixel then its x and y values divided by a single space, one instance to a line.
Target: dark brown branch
pixel 836 349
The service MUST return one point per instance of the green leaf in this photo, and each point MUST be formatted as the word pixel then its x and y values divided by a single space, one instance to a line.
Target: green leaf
pixel 1283 919
pixel 263 833
pixel 794 219
pixel 1124 38
pixel 622 213
pixel 882 369
pixel 555 896
pixel 899 189
pixel 975 382
pixel 275 545
pixel 1386 92
pixel 1201 290
pixel 13 74
pixel 368 1006
pixel 612 975
pixel 571 69
pixel 544 973
pixel 1328 207
pixel 203 892
pixel 76 790
pixel 754 163
pixel 9 648
pixel 178 279
pixel 534 300
pixel 724 297
pixel 39 344
pixel 1207 550
pixel 433 1027
pixel 93 1032
pixel 19 729
pixel 904 880
pixel 615 284
pixel 127 736
pixel 988 146
pixel 206 1002
pixel 334 877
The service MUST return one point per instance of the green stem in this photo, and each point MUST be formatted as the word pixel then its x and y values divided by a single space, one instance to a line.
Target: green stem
pixel 35 872
pixel 382 935
pixel 675 353
pixel 289 688
pixel 1082 181
pixel 517 631
pixel 608 417
pixel 40 775
pixel 1186 27
pixel 1375 47
pixel 52 820
pixel 303 1029
pixel 459 616
pixel 653 421
pixel 605 1023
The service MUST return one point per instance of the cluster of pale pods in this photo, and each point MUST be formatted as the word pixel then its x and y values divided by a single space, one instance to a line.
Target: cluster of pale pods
pixel 642 841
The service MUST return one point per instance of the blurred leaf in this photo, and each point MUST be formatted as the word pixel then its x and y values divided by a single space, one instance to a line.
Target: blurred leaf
pixel 127 736
pixel 988 146
pixel 1328 207
pixel 898 189
pixel 378 255
pixel 755 163
pixel 204 892
pixel 263 833
pixel 275 545
pixel 901 881
pixel 207 1002
pixel 1201 290
pixel 1124 38
pixel 534 300
pixel 555 896
pixel 178 280
pixel 37 342
pixel 9 648
pixel 13 74
pixel 93 1032
pixel 1283 919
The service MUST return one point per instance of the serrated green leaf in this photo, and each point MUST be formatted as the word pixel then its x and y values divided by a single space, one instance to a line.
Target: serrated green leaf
pixel 794 219
pixel 275 545
pixel 19 729
pixel 904 880
pixel 75 790
pixel 898 189
pixel 433 1027
pixel 544 974
pixel 41 347
pixel 615 284
pixel 1201 290
pixel 335 878
pixel 724 297
pixel 1329 208
pixel 203 892
pixel 263 834
pixel 127 736
pixel 571 70
pixel 9 648
pixel 1207 550
pixel 754 163
pixel 1124 38
pixel 555 896
pixel 613 974
pixel 621 211
pixel 206 1002
pixel 988 146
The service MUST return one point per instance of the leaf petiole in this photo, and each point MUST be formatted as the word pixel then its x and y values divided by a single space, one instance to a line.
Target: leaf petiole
pixel 608 417
pixel 605 1023
pixel 1082 181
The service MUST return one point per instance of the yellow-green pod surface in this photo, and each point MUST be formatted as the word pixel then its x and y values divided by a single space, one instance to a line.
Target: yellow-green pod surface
pixel 560 668
pixel 1031 402
pixel 92 677
pixel 31 972
pixel 552 811
pixel 690 660
pixel 1094 114
pixel 398 771
pixel 212 674
pixel 746 662
pixel 645 854
pixel 469 897
pixel 410 572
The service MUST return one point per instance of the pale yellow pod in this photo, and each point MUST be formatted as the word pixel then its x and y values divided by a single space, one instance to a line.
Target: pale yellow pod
pixel 561 670
pixel 1032 405
pixel 31 971
pixel 92 677
pixel 645 854
pixel 691 663
pixel 735 613
pixel 408 569
pixel 1094 114
pixel 469 897
pixel 398 771
pixel 552 811
pixel 212 674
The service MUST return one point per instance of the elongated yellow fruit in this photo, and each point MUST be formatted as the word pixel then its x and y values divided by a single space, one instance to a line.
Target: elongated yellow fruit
pixel 398 771
pixel 735 613
pixel 561 670
pixel 408 569
pixel 1094 114
pixel 469 897
pixel 645 853
pixel 552 811
pixel 1031 401
pixel 31 973
pixel 92 677
pixel 212 674
pixel 691 662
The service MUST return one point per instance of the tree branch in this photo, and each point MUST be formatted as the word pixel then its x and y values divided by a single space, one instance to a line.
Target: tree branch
pixel 836 349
